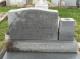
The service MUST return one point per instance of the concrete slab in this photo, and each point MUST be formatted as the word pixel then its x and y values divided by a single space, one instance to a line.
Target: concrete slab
pixel 21 55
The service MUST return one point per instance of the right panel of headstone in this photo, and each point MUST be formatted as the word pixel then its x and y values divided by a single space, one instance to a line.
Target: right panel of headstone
pixel 66 29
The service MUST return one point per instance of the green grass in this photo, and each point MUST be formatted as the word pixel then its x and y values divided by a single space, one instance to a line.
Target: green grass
pixel 5 9
pixel 63 12
pixel 3 29
pixel 49 0
pixel 4 24
pixel 2 45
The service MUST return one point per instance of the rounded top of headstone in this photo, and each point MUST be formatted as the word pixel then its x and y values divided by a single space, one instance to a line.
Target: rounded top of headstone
pixel 32 8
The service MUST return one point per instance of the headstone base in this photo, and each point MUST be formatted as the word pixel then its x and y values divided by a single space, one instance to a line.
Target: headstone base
pixel 45 46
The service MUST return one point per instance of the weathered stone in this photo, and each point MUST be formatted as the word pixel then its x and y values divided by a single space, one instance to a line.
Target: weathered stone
pixel 33 23
pixel 45 46
pixel 66 29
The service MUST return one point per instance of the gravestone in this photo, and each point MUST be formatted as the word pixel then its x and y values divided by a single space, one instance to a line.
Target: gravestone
pixel 37 34
pixel 32 24
pixel 41 4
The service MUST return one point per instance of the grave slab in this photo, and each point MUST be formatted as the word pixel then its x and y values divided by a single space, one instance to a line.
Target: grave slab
pixel 21 55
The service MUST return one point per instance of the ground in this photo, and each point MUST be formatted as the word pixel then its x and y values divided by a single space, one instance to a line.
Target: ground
pixel 63 12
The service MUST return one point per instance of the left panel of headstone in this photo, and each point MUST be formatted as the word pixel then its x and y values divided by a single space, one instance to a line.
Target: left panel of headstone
pixel 33 24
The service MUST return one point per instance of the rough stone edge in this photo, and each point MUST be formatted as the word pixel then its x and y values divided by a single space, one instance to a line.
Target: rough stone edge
pixel 4 16
pixel 2 52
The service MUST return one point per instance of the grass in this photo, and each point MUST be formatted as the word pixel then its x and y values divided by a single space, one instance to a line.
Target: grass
pixel 49 0
pixel 3 29
pixel 2 45
pixel 71 13
pixel 63 12
pixel 4 24
pixel 5 9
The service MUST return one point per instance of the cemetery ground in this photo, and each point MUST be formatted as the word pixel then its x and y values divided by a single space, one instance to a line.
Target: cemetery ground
pixel 63 12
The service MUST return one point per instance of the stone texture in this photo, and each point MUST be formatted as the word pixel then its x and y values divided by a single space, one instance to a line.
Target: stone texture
pixel 66 29
pixel 33 24
pixel 21 55
pixel 46 46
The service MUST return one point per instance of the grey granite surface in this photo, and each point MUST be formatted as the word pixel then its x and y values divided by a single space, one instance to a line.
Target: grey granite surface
pixel 33 24
pixel 46 46
pixel 66 29
pixel 21 55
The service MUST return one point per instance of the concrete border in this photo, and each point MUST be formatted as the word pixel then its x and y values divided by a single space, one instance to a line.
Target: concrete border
pixel 2 53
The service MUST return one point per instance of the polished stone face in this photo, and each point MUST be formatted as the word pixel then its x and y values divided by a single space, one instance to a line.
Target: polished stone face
pixel 33 24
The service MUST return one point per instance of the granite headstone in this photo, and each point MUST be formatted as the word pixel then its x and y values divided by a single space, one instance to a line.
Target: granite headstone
pixel 37 30
pixel 33 24
pixel 38 33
